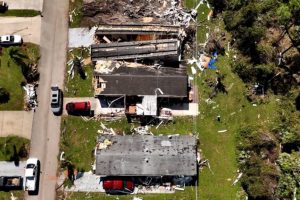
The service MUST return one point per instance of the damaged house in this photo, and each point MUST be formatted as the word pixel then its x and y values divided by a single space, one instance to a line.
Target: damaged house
pixel 140 155
pixel 137 41
pixel 140 90
pixel 137 69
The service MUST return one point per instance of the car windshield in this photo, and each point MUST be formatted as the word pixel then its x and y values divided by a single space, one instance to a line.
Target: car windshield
pixel 54 105
pixel 29 166
pixel 31 178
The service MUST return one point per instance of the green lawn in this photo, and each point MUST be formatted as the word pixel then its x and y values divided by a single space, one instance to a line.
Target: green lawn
pixel 20 13
pixel 7 147
pixel 188 194
pixel 78 87
pixel 20 195
pixel 11 75
pixel 75 11
pixel 11 78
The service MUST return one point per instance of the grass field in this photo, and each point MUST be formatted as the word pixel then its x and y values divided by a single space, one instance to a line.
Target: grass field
pixel 187 194
pixel 75 9
pixel 78 87
pixel 20 195
pixel 7 146
pixel 11 75
pixel 11 78
pixel 20 13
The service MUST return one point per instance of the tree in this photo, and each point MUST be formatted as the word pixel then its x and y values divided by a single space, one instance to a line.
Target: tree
pixel 4 95
pixel 218 5
pixel 28 66
pixel 290 177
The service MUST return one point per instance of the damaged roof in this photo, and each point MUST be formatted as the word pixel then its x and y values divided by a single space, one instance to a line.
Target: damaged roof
pixel 166 49
pixel 144 81
pixel 147 155
pixel 137 28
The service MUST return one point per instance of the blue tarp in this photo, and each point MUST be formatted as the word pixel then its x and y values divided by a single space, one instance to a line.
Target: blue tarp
pixel 211 64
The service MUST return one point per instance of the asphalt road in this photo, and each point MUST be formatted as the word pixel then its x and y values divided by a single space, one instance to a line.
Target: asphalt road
pixel 46 127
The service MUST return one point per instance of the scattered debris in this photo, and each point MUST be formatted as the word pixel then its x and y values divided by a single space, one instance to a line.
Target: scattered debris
pixel 61 157
pixel 238 178
pixel 142 130
pixel 204 163
pixel 138 11
pixel 106 131
pixel 76 64
pixel 105 144
pixel 31 97
pixel 214 107
pixel 166 115
pixel 230 86
pixel 12 197
pixel 209 101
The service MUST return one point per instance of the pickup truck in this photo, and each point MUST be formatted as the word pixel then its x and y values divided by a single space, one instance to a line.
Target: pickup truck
pixel 11 183
pixel 32 171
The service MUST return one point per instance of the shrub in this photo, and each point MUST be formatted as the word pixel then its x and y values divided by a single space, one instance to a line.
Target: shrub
pixel 4 95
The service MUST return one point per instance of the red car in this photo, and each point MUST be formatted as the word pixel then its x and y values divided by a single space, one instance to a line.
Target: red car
pixel 118 186
pixel 78 107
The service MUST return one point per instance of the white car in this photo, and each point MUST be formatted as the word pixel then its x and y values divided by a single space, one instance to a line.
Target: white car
pixel 31 174
pixel 11 40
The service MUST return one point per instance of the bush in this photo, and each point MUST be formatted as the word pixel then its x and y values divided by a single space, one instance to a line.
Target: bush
pixel 290 176
pixel 260 179
pixel 4 95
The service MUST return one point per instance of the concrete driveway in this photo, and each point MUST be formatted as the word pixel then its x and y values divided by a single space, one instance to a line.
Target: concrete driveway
pixel 10 169
pixel 25 4
pixel 16 123
pixel 28 27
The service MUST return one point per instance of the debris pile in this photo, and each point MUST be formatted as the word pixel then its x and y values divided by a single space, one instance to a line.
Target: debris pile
pixel 31 97
pixel 137 11
pixel 166 115
pixel 141 130
pixel 105 130
pixel 76 64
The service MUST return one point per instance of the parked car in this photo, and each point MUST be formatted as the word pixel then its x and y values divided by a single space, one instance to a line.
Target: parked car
pixel 32 171
pixel 118 186
pixel 11 183
pixel 3 7
pixel 6 40
pixel 82 108
pixel 56 100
